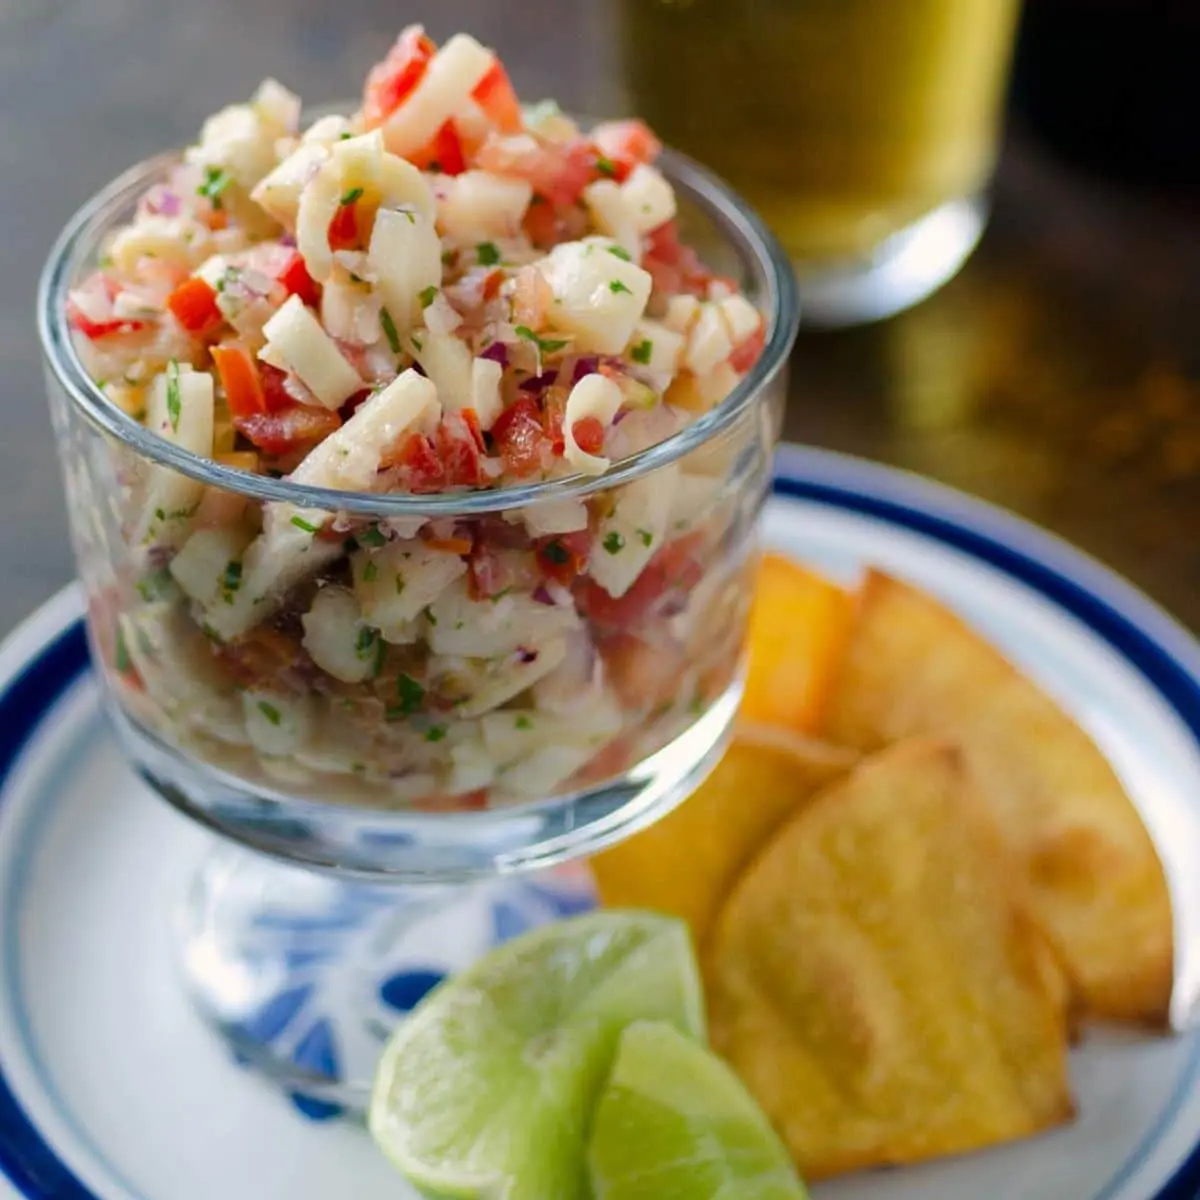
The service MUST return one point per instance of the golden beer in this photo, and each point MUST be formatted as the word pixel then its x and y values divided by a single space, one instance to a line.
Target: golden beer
pixel 842 121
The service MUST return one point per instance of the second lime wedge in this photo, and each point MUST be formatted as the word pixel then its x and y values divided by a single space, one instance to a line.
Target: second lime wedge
pixel 675 1121
pixel 488 1088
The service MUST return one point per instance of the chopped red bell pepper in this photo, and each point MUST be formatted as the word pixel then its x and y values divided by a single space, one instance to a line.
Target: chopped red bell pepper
pixel 390 82
pixel 240 378
pixel 297 281
pixel 495 94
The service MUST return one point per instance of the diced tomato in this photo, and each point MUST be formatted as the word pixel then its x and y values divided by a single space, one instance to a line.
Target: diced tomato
pixel 194 305
pixel 98 329
pixel 745 354
pixel 675 568
pixel 343 229
pixel 451 545
pixel 274 385
pixel 295 278
pixel 444 152
pixel 494 93
pixel 460 455
pixel 519 436
pixel 531 298
pixel 540 223
pixel 240 378
pixel 589 435
pixel 471 420
pixel 563 556
pixel 288 430
pixel 559 172
pixel 390 82
pixel 94 317
pixel 673 266
pixel 625 144
pixel 420 465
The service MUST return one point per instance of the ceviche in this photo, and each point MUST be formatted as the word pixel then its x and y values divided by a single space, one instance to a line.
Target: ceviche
pixel 445 291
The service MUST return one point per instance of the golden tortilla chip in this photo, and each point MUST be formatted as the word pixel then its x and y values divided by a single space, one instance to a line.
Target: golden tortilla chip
pixel 686 863
pixel 877 985
pixel 914 669
pixel 798 629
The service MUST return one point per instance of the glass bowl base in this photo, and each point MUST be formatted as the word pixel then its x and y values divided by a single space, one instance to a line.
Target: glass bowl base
pixel 909 266
pixel 305 976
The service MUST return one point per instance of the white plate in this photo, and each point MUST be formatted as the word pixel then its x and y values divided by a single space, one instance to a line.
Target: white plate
pixel 110 1086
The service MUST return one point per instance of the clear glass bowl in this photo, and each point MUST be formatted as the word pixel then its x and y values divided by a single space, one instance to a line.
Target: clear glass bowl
pixel 586 723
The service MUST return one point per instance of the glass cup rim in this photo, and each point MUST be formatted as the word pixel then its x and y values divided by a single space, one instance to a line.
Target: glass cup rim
pixel 734 217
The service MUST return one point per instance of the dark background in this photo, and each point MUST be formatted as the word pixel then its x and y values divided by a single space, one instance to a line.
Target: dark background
pixel 1056 375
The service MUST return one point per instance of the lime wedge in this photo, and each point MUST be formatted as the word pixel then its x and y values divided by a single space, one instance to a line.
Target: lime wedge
pixel 488 1088
pixel 675 1121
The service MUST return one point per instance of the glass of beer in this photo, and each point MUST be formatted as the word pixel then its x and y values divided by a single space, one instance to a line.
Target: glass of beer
pixel 865 131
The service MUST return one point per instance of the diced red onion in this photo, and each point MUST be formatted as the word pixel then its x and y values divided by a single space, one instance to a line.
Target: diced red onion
pixel 541 595
pixel 497 352
pixel 537 384
pixel 588 364
pixel 525 655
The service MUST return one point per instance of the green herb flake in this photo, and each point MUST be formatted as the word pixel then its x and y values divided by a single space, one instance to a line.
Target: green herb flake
pixel 642 351
pixel 524 721
pixel 411 693
pixel 620 252
pixel 364 646
pixel 370 573
pixel 541 110
pixel 545 345
pixel 614 543
pixel 211 633
pixel 605 165
pixel 231 580
pixel 155 586
pixel 270 712
pixel 418 345
pixel 389 330
pixel 372 537
pixel 435 733
pixel 351 196
pixel 215 182
pixel 488 254
pixel 301 523
pixel 647 538
pixel 427 295
pixel 399 584
pixel 123 662
pixel 160 514
pixel 429 615
pixel 617 287
pixel 174 399
pixel 556 553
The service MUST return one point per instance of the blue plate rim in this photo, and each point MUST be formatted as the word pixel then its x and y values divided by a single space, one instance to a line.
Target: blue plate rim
pixel 1139 630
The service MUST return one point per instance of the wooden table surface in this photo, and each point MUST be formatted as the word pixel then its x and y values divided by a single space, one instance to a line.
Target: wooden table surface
pixel 1058 375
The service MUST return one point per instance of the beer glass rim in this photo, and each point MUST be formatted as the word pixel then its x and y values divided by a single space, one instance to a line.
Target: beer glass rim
pixel 737 222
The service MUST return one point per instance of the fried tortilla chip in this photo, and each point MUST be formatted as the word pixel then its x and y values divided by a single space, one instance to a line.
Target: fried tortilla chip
pixel 798 628
pixel 686 863
pixel 879 984
pixel 912 668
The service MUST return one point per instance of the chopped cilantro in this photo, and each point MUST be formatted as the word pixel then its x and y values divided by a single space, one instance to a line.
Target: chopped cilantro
pixel 350 196
pixel 345 136
pixel 411 693
pixel 160 514
pixel 364 646
pixel 154 586
pixel 399 584
pixel 544 345
pixel 605 165
pixel 389 330
pixel 614 543
pixel 524 721
pixel 370 573
pixel 417 343
pixel 372 537
pixel 435 733
pixel 556 553
pixel 123 661
pixel 210 632
pixel 617 287
pixel 489 254
pixel 429 615
pixel 270 712
pixel 174 400
pixel 427 295
pixel 231 580
pixel 647 538
pixel 620 252
pixel 215 182
pixel 228 276
pixel 448 256
pixel 642 351
pixel 301 523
